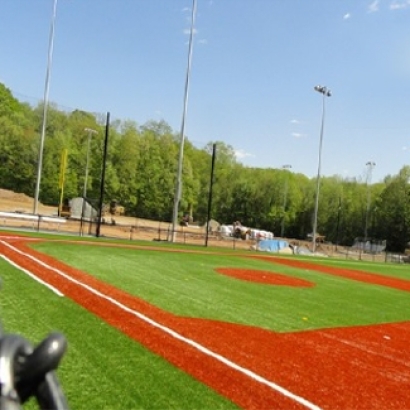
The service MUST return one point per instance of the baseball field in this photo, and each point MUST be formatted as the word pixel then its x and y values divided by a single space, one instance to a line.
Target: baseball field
pixel 160 326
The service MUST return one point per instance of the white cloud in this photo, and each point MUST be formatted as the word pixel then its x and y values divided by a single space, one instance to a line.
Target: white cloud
pixel 373 7
pixel 297 122
pixel 397 5
pixel 240 154
pixel 347 16
pixel 298 135
pixel 203 41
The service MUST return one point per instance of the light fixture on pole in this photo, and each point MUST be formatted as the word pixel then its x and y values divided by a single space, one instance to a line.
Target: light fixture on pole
pixel 370 165
pixel 326 93
pixel 285 198
pixel 90 132
pixel 178 186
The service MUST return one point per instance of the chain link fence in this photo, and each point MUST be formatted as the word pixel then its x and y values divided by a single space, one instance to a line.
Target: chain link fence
pixel 135 229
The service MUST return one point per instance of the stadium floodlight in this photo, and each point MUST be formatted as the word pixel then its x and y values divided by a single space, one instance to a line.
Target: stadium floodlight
pixel 326 93
pixel 45 107
pixel 321 89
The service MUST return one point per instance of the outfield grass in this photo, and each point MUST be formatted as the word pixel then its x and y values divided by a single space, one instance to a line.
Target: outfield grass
pixel 395 270
pixel 187 284
pixel 102 369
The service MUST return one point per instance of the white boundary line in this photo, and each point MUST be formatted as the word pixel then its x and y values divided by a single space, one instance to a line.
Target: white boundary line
pixel 178 336
pixel 32 276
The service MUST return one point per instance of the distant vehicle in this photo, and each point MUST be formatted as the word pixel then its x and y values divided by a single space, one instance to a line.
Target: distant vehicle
pixel 65 211
pixel 115 209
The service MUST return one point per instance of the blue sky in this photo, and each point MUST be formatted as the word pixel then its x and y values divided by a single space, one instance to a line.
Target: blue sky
pixel 254 67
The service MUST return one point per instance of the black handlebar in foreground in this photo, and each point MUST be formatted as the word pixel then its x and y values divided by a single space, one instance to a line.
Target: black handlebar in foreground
pixel 27 371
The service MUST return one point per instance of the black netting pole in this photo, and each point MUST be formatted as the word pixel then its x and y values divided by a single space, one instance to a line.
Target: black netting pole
pixel 100 205
pixel 210 193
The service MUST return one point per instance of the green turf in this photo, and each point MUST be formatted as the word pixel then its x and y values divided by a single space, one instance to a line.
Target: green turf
pixel 388 269
pixel 186 284
pixel 102 369
pixel 144 243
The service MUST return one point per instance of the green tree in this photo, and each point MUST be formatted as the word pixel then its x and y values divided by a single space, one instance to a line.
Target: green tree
pixel 394 211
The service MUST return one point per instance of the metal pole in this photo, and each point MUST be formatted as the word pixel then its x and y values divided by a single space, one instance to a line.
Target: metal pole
pixel 326 93
pixel 45 107
pixel 370 165
pixel 339 210
pixel 285 198
pixel 210 193
pixel 104 164
pixel 178 187
pixel 90 132
pixel 61 181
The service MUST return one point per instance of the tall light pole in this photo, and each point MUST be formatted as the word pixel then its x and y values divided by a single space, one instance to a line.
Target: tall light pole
pixel 285 198
pixel 178 186
pixel 326 93
pixel 370 165
pixel 90 133
pixel 45 107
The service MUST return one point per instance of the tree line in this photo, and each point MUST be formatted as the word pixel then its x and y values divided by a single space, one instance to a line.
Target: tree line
pixel 140 173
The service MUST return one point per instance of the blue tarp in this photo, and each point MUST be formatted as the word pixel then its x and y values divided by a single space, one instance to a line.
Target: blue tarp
pixel 272 245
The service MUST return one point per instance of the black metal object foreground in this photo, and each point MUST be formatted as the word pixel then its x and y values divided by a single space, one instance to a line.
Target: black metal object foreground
pixel 27 371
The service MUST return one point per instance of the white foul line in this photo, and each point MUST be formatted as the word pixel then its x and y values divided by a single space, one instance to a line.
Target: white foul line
pixel 178 336
pixel 51 287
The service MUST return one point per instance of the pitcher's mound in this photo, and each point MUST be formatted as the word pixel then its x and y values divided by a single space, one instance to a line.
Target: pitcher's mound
pixel 266 277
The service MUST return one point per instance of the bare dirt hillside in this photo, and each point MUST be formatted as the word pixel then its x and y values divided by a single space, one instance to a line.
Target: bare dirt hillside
pixel 16 202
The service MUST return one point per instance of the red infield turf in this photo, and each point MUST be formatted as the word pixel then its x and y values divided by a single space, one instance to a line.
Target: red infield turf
pixel 365 367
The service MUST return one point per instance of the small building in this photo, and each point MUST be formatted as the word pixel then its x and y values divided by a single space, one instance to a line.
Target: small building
pixel 88 212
